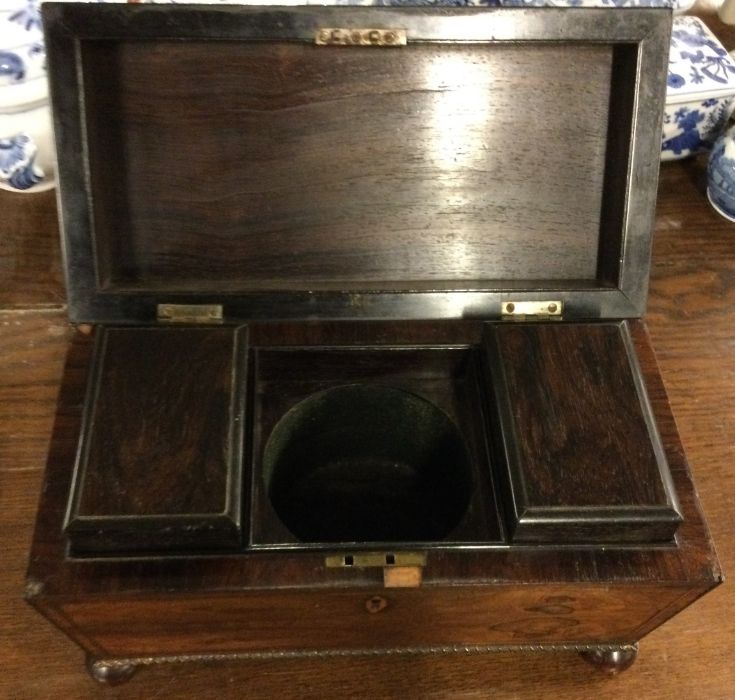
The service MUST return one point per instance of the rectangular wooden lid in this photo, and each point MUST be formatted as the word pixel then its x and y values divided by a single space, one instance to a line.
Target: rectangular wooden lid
pixel 583 457
pixel 219 155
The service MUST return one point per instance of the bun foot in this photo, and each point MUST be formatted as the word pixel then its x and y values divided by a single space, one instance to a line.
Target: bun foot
pixel 109 673
pixel 611 661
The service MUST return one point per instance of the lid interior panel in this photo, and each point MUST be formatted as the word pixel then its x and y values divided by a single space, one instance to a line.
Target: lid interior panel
pixel 216 155
pixel 236 165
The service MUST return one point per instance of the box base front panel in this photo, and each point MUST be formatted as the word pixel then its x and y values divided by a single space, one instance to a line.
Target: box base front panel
pixel 378 619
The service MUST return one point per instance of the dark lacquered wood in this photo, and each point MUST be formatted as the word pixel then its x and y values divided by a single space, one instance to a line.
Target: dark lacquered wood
pixel 620 121
pixel 446 376
pixel 290 601
pixel 267 197
pixel 325 622
pixel 690 561
pixel 691 323
pixel 584 458
pixel 156 467
pixel 118 607
pixel 160 459
pixel 434 210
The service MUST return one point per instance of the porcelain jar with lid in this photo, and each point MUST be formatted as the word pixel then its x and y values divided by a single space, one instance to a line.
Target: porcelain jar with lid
pixel 27 157
pixel 701 89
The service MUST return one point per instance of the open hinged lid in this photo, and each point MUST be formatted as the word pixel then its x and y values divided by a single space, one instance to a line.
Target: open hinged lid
pixel 224 156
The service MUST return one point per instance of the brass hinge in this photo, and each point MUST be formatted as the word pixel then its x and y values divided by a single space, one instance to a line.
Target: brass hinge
pixel 520 310
pixel 335 36
pixel 189 313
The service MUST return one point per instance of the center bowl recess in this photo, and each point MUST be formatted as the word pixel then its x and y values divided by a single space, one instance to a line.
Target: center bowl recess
pixel 366 463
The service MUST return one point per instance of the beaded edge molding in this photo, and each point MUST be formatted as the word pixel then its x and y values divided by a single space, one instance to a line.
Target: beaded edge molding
pixel 319 653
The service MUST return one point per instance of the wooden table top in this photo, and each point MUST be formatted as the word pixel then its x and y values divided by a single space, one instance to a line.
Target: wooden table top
pixel 691 317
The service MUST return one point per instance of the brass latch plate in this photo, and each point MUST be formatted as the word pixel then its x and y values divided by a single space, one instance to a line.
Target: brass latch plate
pixel 376 559
pixel 335 36
pixel 190 313
pixel 522 309
pixel 400 569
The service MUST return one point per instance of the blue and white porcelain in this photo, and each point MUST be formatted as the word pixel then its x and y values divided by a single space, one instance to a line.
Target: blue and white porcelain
pixel 12 67
pixel 579 3
pixel 20 64
pixel 721 175
pixel 27 155
pixel 24 13
pixel 20 24
pixel 700 93
pixel 18 165
pixel 451 3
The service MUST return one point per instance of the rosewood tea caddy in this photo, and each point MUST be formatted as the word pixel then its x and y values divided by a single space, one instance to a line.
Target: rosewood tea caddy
pixel 360 365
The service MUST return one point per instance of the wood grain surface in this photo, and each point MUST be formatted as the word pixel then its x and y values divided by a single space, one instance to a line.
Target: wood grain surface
pixel 691 318
pixel 59 577
pixel 290 153
pixel 342 619
pixel 585 462
pixel 343 197
pixel 160 464
pixel 693 328
pixel 577 378
pixel 30 260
